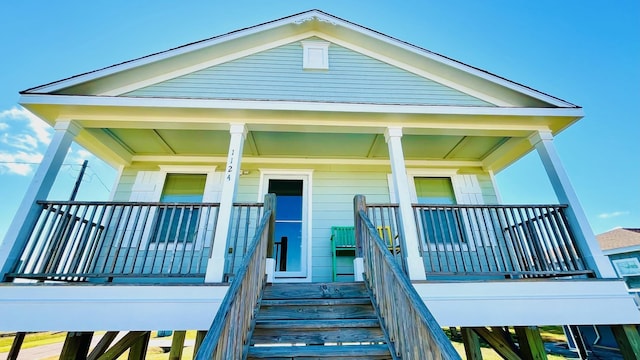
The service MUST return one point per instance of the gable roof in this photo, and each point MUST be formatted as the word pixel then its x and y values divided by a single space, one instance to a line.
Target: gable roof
pixel 619 239
pixel 119 78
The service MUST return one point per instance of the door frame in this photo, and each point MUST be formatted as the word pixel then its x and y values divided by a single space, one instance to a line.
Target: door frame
pixel 306 176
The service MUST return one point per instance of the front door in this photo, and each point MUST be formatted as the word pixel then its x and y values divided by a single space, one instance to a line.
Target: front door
pixel 290 243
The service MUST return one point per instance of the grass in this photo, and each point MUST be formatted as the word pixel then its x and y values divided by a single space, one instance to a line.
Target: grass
pixel 33 340
pixel 548 333
pixel 490 354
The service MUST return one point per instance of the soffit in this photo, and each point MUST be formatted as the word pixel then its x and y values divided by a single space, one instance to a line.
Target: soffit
pixel 207 143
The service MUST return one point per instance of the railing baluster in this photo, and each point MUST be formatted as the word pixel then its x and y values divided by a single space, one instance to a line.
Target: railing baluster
pixel 74 262
pixel 561 240
pixel 76 241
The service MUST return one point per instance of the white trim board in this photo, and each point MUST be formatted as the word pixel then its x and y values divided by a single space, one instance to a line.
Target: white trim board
pixel 75 100
pixel 525 303
pixel 113 307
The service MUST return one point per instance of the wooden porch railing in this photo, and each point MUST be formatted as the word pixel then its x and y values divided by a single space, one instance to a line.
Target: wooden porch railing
pixel 245 220
pixel 74 241
pixel 502 240
pixel 412 331
pixel 228 337
pixel 512 241
pixel 386 219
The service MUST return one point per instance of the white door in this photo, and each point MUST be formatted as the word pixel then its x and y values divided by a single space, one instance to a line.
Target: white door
pixel 292 224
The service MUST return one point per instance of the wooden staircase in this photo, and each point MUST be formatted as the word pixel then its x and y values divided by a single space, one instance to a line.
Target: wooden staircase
pixel 317 320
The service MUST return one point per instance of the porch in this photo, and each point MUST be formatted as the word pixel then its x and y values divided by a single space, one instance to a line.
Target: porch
pixel 136 242
pixel 401 304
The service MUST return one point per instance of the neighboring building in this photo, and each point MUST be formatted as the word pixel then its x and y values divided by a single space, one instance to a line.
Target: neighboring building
pixel 314 109
pixel 622 246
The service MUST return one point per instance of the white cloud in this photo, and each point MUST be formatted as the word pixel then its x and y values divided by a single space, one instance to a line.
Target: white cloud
pixel 612 214
pixel 41 129
pixel 78 155
pixel 22 142
pixel 83 155
pixel 20 163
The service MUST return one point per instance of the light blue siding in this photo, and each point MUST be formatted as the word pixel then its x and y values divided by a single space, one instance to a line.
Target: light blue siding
pixel 333 189
pixel 488 191
pixel 277 74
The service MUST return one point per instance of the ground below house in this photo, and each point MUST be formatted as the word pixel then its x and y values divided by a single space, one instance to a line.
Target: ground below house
pixel 159 347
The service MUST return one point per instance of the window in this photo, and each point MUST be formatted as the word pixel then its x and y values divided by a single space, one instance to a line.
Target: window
pixel 442 225
pixel 434 191
pixel 183 188
pixel 177 223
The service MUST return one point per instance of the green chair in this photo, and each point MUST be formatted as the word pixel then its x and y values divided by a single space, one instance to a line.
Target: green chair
pixel 343 243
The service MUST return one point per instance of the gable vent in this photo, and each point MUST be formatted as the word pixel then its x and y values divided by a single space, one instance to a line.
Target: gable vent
pixel 315 55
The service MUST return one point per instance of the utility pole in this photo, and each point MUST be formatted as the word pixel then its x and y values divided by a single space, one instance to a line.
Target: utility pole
pixel 78 181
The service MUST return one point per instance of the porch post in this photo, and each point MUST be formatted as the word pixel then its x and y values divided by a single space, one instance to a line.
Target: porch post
pixel 43 179
pixel 586 241
pixel 215 265
pixel 415 265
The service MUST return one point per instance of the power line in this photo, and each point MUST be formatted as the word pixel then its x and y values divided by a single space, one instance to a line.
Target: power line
pixel 71 165
pixel 95 174
pixel 30 163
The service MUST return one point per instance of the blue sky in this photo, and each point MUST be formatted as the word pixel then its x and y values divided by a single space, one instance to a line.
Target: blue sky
pixel 585 52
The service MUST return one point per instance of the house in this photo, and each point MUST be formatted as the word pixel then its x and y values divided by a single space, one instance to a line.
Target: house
pixel 622 247
pixel 343 126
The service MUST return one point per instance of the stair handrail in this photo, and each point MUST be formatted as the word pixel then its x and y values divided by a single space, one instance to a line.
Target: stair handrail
pixel 230 332
pixel 411 328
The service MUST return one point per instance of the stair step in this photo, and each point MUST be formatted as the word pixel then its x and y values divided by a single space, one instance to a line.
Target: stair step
pixel 334 352
pixel 315 290
pixel 316 302
pixel 317 324
pixel 316 311
pixel 317 331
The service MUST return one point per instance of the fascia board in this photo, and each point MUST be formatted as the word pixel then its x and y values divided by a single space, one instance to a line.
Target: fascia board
pixel 74 100
pixel 451 62
pixel 127 65
pixel 203 65
pixel 622 250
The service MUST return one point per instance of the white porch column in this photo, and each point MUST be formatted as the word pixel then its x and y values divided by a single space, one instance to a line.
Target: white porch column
pixel 393 137
pixel 43 179
pixel 215 265
pixel 586 241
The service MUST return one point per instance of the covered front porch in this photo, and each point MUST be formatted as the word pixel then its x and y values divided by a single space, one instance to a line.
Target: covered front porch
pixel 143 241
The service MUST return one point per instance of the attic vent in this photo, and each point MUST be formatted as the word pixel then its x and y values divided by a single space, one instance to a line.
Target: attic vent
pixel 315 55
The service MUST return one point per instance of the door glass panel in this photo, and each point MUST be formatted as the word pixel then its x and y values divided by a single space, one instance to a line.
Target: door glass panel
pixel 288 229
pixel 178 224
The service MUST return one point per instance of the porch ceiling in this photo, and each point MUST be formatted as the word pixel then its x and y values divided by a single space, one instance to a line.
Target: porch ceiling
pixel 122 131
pixel 179 142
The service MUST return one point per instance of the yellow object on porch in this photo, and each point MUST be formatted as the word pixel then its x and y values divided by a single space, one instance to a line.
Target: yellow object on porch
pixel 343 243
